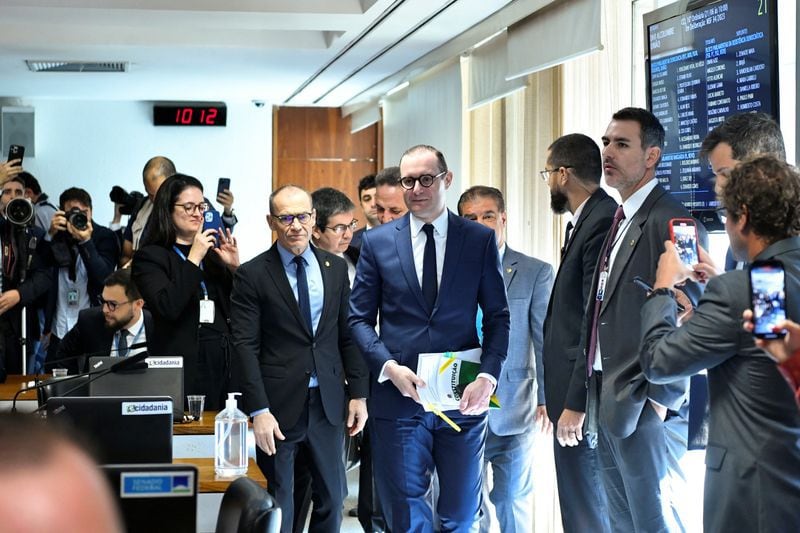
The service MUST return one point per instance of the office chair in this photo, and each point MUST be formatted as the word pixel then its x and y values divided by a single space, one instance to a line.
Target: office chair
pixel 248 508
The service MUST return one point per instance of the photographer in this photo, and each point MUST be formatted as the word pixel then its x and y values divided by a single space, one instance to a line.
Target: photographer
pixel 43 210
pixel 83 254
pixel 24 275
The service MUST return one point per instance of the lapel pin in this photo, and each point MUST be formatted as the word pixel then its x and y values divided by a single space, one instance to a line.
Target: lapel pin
pixel 327 263
pixel 509 270
pixel 633 241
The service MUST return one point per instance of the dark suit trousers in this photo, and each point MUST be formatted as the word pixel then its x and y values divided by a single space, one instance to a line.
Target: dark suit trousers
pixel 580 490
pixel 407 450
pixel 640 471
pixel 324 444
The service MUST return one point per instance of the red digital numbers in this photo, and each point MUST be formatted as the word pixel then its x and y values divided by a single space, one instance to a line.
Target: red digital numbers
pixel 186 116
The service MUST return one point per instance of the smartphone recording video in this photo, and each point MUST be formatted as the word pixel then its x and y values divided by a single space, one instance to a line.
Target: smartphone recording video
pixel 683 232
pixel 768 294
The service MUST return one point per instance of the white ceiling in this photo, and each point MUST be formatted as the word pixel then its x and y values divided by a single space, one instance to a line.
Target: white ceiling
pixel 297 52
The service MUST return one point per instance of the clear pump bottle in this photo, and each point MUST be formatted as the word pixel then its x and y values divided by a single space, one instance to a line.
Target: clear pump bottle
pixel 230 438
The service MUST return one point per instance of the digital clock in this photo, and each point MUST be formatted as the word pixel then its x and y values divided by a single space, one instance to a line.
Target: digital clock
pixel 190 114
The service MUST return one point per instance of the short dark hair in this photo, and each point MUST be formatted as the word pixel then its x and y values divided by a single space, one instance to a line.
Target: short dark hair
pixel 651 132
pixel 747 134
pixel 427 148
pixel 367 182
pixel 16 178
pixel 161 165
pixel 160 228
pixel 482 191
pixel 770 190
pixel 74 193
pixel 580 152
pixel 388 176
pixel 278 191
pixel 122 278
pixel 329 202
pixel 30 182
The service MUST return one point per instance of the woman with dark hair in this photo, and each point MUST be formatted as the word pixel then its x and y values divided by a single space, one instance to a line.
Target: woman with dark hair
pixel 187 286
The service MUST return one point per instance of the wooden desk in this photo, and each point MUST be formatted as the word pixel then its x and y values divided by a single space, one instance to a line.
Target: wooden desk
pixel 208 481
pixel 14 383
pixel 202 427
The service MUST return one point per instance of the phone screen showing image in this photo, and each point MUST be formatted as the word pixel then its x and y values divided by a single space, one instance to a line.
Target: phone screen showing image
pixel 684 236
pixel 768 293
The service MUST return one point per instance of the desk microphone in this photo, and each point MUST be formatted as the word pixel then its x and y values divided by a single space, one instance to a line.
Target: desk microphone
pixel 133 362
pixel 99 353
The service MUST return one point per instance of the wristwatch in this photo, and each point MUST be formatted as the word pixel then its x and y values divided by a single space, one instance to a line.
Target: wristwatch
pixel 661 291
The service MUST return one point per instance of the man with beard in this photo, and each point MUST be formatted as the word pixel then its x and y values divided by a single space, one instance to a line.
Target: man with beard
pixel 113 327
pixel 573 176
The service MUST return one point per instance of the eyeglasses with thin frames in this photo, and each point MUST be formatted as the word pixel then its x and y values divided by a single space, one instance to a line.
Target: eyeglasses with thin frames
pixel 341 228
pixel 111 304
pixel 288 220
pixel 545 174
pixel 191 207
pixel 426 180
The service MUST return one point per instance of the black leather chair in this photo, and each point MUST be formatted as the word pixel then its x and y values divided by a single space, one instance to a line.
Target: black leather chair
pixel 248 508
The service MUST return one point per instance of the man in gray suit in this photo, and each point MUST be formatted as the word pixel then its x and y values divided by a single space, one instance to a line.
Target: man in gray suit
pixel 753 458
pixel 520 389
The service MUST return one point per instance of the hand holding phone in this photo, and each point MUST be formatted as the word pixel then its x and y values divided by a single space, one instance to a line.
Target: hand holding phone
pixel 16 151
pixel 224 184
pixel 683 233
pixel 768 296
pixel 211 220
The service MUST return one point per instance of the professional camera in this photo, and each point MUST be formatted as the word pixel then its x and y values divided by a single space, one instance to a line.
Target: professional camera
pixel 129 201
pixel 77 218
pixel 19 211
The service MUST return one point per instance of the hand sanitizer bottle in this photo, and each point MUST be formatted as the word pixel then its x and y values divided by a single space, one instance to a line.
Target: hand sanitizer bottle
pixel 230 438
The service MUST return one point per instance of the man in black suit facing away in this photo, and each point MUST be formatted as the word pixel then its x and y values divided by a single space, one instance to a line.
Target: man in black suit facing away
pixel 294 352
pixel 642 430
pixel 112 328
pixel 573 175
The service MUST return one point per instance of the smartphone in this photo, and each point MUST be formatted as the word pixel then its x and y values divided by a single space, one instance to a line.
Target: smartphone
pixel 223 184
pixel 638 280
pixel 683 232
pixel 212 220
pixel 16 151
pixel 768 296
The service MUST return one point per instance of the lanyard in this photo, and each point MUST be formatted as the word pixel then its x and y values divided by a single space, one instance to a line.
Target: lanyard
pixel 202 283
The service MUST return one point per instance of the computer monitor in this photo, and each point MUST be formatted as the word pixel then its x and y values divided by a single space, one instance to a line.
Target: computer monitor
pixel 155 497
pixel 118 429
pixel 162 377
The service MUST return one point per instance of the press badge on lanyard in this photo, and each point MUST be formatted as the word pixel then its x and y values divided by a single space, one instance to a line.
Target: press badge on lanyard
pixel 206 305
pixel 601 285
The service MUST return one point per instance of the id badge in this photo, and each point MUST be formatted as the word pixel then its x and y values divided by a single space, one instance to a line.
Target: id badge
pixel 206 311
pixel 72 297
pixel 601 285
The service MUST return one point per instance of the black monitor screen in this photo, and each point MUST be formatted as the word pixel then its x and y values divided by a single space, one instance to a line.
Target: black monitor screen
pixel 706 63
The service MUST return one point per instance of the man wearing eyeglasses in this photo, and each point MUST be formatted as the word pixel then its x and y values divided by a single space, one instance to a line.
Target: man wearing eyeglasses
pixel 425 275
pixel 299 372
pixel 336 222
pixel 118 326
pixel 83 254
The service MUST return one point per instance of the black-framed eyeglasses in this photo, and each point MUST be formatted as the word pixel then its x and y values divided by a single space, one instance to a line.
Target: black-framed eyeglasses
pixel 111 304
pixel 545 174
pixel 341 228
pixel 722 213
pixel 288 220
pixel 191 207
pixel 426 180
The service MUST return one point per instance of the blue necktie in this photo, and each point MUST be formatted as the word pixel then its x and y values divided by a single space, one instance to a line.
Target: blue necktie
pixel 429 281
pixel 303 300
pixel 122 344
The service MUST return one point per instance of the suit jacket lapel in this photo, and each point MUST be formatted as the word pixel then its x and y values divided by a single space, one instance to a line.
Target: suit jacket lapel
pixel 327 284
pixel 452 254
pixel 629 241
pixel 278 274
pixel 510 261
pixel 405 252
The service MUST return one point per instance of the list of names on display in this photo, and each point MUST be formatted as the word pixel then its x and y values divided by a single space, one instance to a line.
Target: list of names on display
pixel 704 66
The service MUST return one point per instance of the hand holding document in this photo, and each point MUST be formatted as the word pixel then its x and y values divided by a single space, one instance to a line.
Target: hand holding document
pixel 446 375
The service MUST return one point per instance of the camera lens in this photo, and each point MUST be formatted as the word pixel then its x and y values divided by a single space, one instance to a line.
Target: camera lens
pixel 19 211
pixel 78 218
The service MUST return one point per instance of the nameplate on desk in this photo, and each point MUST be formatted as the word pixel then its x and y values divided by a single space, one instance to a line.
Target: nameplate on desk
pixel 157 484
pixel 164 362
pixel 146 408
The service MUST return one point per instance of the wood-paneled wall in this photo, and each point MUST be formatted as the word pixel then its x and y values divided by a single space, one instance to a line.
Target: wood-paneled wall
pixel 313 148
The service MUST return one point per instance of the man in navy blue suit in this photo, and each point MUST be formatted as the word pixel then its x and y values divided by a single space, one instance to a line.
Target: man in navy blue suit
pixel 426 274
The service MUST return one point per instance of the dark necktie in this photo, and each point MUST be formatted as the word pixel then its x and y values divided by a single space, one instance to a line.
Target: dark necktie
pixel 602 267
pixel 122 345
pixel 303 300
pixel 429 281
pixel 567 235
